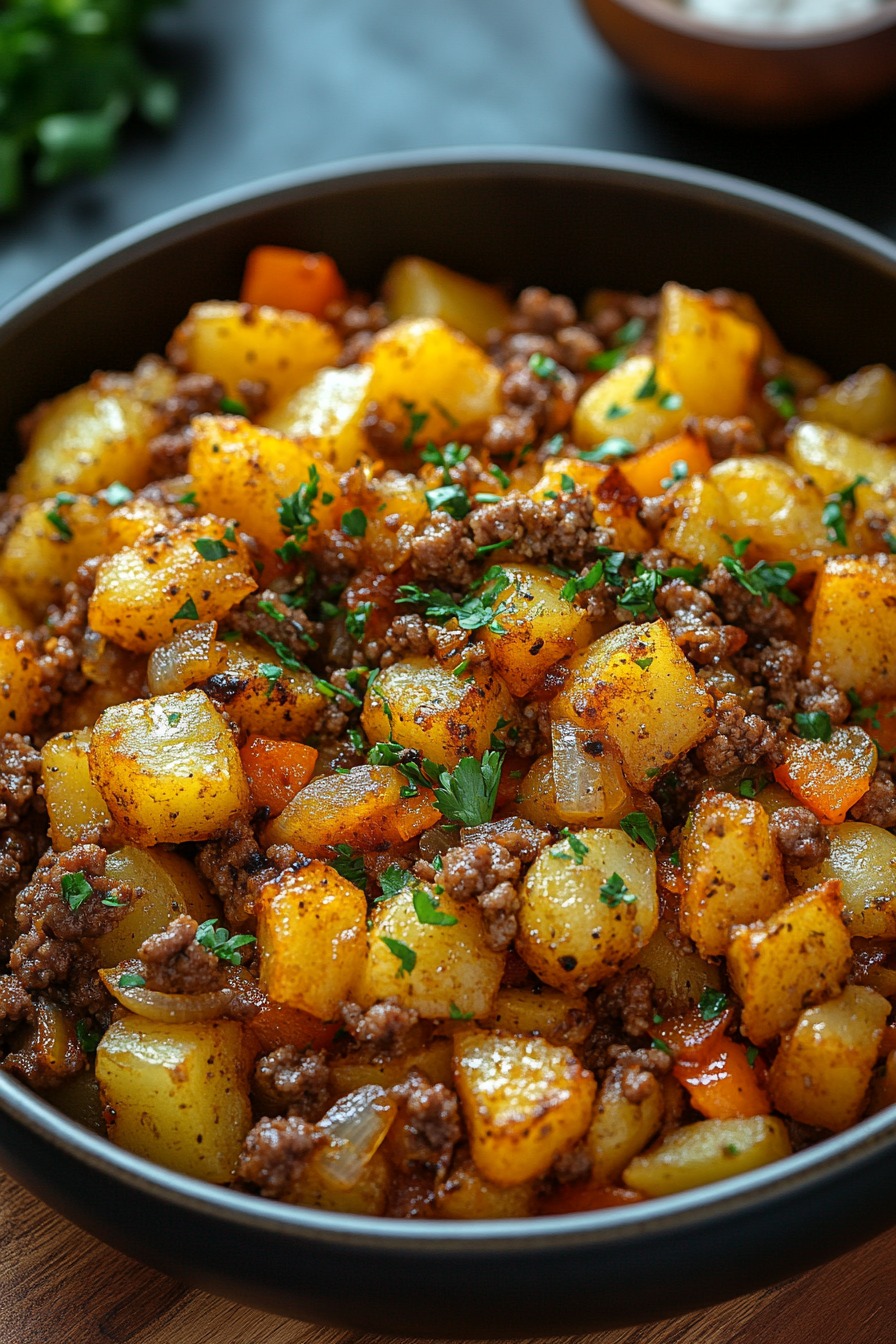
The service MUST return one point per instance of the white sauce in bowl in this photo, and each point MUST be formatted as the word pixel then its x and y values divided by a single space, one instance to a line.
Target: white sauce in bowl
pixel 781 13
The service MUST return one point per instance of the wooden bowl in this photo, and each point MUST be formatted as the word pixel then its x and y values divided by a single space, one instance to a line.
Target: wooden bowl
pixel 749 76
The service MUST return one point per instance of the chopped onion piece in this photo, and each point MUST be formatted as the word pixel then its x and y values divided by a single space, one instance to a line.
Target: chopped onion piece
pixel 355 1127
pixel 589 787
pixel 190 657
pixel 159 1007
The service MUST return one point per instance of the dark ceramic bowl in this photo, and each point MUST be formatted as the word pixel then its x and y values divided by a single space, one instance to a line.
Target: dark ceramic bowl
pixel 752 76
pixel 570 221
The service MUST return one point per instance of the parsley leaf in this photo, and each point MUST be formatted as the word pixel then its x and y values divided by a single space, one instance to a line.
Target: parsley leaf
pixel 230 406
pixel 571 589
pixel 468 793
pixel 220 942
pixel 75 889
pixel 210 549
pixel 578 849
pixel 616 412
pixel 500 476
pixel 614 892
pixel 763 580
pixel 637 825
pixel 452 498
pixel 781 394
pixel 472 613
pixel 456 1015
pixel 270 610
pixel 406 955
pixel 416 421
pixel 648 389
pixel 350 866
pixel 679 472
pixel 624 339
pixel 833 516
pixel 130 980
pixel 55 519
pixel 354 523
pixel 427 911
pixel 272 673
pixel 297 516
pixel 712 1003
pixel 356 620
pixel 87 1039
pixel 613 449
pixel 116 494
pixel 187 612
pixel 814 726
pixel 544 367
pixel 450 456
pixel 639 596
pixel 392 881
pixel 174 717
pixel 890 539
pixel 749 788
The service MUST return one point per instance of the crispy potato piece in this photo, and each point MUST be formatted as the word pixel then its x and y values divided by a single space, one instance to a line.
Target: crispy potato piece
pixel 421 364
pixel 47 543
pixel 74 803
pixel 96 434
pixel 524 1101
pixel 368 1195
pixel 242 471
pixel 168 769
pixel 823 1067
pixel 705 352
pixel 415 287
pixel 465 1193
pixel 141 592
pixel 700 519
pixel 421 704
pixel 325 415
pixel 800 956
pixel 13 615
pixel 857 654
pixel 177 1095
pixel 732 869
pixel 775 506
pixel 829 777
pixel 578 925
pixel 863 860
pixel 396 505
pixel 539 627
pixel 169 886
pixel 708 1151
pixel 262 695
pixel 441 969
pixel 635 688
pixel 565 1019
pixel 679 977
pixel 236 341
pixel 863 404
pixel 311 938
pixel 435 1060
pixel 130 521
pixel 621 1128
pixel 364 808
pixel 629 401
pixel 21 680
pixel 834 458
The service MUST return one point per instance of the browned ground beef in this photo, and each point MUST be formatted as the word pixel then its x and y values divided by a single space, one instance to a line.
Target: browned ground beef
pixel 235 868
pixel 727 438
pixel 693 621
pixel 738 607
pixel 20 775
pixel 274 1153
pixel 383 1027
pixel 800 835
pixel 489 873
pixel 431 1120
pixel 738 739
pixel 293 1079
pixel 176 964
pixel 559 531
pixel 443 553
pixel 290 627
pixel 878 807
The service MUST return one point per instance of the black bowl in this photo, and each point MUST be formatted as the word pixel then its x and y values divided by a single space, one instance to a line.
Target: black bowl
pixel 569 220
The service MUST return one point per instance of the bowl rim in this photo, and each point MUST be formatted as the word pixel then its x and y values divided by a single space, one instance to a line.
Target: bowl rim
pixel 668 15
pixel 761 1188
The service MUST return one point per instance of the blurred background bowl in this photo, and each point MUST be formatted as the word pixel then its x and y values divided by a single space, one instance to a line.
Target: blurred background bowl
pixel 749 76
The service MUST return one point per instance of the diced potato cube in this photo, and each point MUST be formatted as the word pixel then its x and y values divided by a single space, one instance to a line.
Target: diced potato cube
pixel 856 654
pixel 96 434
pixel 262 695
pixel 441 969
pixel 823 1067
pixel 679 977
pixel 13 615
pixel 800 956
pixel 616 503
pixel 141 593
pixel 565 1019
pixel 834 458
pixel 829 777
pixel 364 808
pixel 465 1193
pixel 863 860
pixel 780 511
pixel 706 352
pixel 326 414
pixel 636 689
pixel 47 543
pixel 397 505
pixel 236 341
pixel 242 471
pixel 628 401
pixel 74 803
pixel 421 704
pixel 863 404
pixel 700 519
pixel 168 769
pixel 132 520
pixel 621 1128
pixel 589 904
pixel 652 472
pixel 367 1196
pixel 311 938
pixel 423 369
pixel 524 1102
pixel 21 680
pixel 708 1151
pixel 168 886
pixel 434 1060
pixel 177 1095
pixel 539 627
pixel 732 869
pixel 415 287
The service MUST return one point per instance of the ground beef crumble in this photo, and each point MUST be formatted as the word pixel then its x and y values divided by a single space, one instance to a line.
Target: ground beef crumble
pixel 801 837
pixel 878 806
pixel 294 1080
pixel 489 873
pixel 20 772
pixel 559 531
pixel 384 1027
pixel 738 739
pixel 430 1120
pixel 274 1154
pixel 174 963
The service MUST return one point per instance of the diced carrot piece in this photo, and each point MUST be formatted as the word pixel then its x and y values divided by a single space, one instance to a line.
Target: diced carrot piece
pixel 725 1087
pixel 692 1038
pixel 651 472
pixel 276 770
pixel 582 1196
pixel 829 777
pixel 285 277
pixel 278 1024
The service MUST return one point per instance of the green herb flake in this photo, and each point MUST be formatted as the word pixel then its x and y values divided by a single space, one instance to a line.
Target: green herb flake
pixel 613 449
pixel 614 892
pixel 427 910
pixel 780 393
pixel 452 455
pixel 890 539
pixel 577 848
pixel 188 498
pixel 660 1045
pixel 354 523
pixel 456 1015
pixel 648 389
pixel 841 503
pixel 56 520
pixel 749 788
pixel 221 943
pixel 712 1003
pixel 272 674
pixel 174 717
pixel 637 826
pixel 131 980
pixel 452 499
pixel 763 580
pixel 87 1039
pixel 495 546
pixel 270 610
pixel 356 620
pixel 616 412
pixel 643 663
pixel 406 955
pixel 75 889
pixel 230 406
pixel 350 865
pixel 187 612
pixel 553 447
pixel 639 597
pixel 731 1150
pixel 210 549
pixel 468 793
pixel 814 726
pixel 500 476
pixel 478 611
pixel 752 1053
pixel 116 494
pixel 679 472
pixel 416 421
pixel 671 401
pixel 623 339
pixel 113 901
pixel 296 516
pixel 392 881
pixel 544 367
pixel 571 589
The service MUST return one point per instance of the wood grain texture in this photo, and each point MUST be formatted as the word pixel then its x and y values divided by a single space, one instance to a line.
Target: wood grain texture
pixel 60 1286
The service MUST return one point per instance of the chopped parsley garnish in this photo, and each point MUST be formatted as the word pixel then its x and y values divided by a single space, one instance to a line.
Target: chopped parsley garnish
pixel 781 394
pixel 174 717
pixel 616 412
pixel 578 848
pixel 638 826
pixel 270 610
pixel 495 546
pixel 670 401
pixel 297 516
pixel 272 673
pixel 731 1150
pixel 87 1039
pixel 614 892
pixel 763 580
pixel 752 1052
pixel 679 472
pixel 571 589
pixel 188 498
pixel 350 866
pixel 55 519
pixel 354 523
pixel 623 339
pixel 472 613
pixel 222 943
pixel 544 367
pixel 427 911
pixel 749 788
pixel 692 574
pixel 456 1015
pixel 468 793
pixel 282 652
pixel 890 539
pixel 614 449
pixel 712 1003
pixel 230 406
pixel 500 476
pixel 131 980
pixel 113 901
pixel 833 515
pixel 356 620
pixel 552 448
pixel 450 456
pixel 392 881
pixel 639 596
pixel 862 713
pixel 649 388
pixel 187 612
pixel 406 955
pixel 660 1045
pixel 211 549
pixel 116 494
pixel 452 498
pixel 814 726
pixel 416 421
pixel 75 889
pixel 643 663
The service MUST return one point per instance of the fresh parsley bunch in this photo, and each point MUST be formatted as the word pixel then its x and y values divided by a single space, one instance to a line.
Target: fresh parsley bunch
pixel 71 74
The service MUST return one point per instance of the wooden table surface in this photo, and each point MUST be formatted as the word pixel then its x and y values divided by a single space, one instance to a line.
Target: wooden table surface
pixel 60 1286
